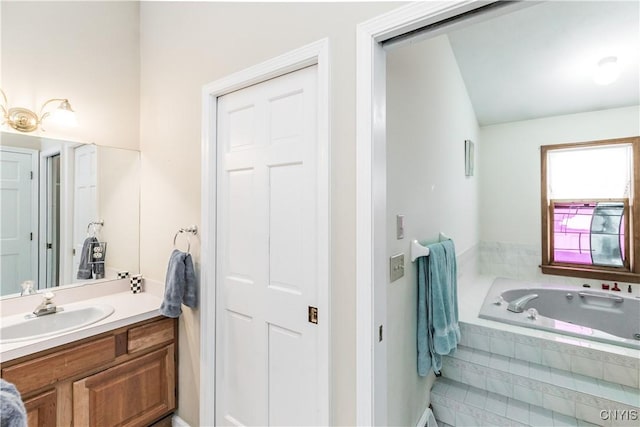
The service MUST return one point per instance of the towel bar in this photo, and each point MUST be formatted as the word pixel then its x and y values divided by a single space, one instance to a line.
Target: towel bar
pixel 417 250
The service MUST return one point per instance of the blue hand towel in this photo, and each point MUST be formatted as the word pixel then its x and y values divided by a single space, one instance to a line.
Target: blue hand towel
pixel 85 269
pixel 438 330
pixel 190 294
pixel 12 411
pixel 180 285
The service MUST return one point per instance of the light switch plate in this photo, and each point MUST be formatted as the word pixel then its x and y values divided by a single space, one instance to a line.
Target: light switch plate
pixel 399 227
pixel 396 267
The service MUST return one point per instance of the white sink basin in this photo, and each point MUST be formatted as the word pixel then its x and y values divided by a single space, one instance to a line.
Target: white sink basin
pixel 19 328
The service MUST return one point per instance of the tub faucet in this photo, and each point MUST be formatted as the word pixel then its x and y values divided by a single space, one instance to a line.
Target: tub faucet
pixel 517 306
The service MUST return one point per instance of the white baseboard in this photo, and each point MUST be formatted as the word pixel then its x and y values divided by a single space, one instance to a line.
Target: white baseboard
pixel 176 421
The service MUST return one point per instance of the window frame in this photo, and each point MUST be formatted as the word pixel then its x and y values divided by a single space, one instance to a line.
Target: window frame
pixel 629 273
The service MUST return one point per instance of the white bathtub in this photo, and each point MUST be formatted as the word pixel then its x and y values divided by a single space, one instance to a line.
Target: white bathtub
pixel 606 316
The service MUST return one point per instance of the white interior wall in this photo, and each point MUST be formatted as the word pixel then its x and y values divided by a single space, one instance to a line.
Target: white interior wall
pixel 429 116
pixel 119 207
pixel 87 52
pixel 510 159
pixel 510 185
pixel 186 45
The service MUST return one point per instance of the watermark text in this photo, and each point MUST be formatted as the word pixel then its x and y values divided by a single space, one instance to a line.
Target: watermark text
pixel 619 414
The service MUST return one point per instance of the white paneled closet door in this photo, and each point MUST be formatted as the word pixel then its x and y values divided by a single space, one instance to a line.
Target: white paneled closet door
pixel 18 257
pixel 267 346
pixel 85 198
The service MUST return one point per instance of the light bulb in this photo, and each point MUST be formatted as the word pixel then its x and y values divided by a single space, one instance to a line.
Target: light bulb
pixel 64 115
pixel 607 71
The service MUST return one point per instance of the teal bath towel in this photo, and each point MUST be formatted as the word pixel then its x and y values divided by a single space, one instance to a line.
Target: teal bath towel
pixel 438 330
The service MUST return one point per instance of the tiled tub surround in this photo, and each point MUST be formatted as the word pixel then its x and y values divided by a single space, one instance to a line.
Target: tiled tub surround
pixel 522 261
pixel 505 375
pixel 458 404
pixel 515 260
pixel 516 368
pixel 578 312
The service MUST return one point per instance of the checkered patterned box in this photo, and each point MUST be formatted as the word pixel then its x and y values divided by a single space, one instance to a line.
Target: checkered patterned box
pixel 136 283
pixel 123 274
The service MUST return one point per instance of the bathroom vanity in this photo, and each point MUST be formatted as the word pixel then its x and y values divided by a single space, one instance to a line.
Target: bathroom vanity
pixel 119 370
pixel 126 376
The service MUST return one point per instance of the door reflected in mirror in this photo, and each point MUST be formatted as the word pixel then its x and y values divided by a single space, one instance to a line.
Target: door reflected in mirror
pixel 69 212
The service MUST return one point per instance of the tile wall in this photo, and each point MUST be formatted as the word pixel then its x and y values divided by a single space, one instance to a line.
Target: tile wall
pixel 521 261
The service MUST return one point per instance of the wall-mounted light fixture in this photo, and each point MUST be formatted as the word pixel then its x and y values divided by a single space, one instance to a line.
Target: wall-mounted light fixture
pixel 25 120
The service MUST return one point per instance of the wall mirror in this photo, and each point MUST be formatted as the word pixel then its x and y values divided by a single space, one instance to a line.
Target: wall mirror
pixel 60 199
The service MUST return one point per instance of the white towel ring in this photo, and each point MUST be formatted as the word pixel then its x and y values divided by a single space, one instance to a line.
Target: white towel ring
pixel 93 225
pixel 189 230
pixel 188 241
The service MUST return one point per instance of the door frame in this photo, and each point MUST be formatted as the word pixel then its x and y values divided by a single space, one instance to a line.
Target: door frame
pixel 371 197
pixel 44 215
pixel 35 200
pixel 316 53
pixel 67 159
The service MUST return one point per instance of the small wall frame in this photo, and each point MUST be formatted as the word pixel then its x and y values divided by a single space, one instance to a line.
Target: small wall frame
pixel 469 157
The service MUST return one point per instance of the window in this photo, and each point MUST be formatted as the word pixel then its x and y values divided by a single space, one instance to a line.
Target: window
pixel 589 233
pixel 591 209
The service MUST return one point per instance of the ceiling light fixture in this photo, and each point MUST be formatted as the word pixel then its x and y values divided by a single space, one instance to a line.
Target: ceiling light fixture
pixel 25 120
pixel 607 71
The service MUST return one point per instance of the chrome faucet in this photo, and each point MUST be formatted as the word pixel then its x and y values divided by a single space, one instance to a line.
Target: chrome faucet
pixel 47 306
pixel 517 306
pixel 27 288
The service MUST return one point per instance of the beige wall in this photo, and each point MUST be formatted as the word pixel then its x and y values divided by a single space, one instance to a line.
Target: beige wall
pixel 184 46
pixel 87 52
pixel 119 207
pixel 429 116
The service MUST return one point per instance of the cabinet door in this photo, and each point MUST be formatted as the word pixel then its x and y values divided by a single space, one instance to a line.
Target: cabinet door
pixel 41 410
pixel 134 393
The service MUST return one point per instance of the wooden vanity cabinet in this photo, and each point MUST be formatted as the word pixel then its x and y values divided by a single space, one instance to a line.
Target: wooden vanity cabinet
pixel 133 393
pixel 41 409
pixel 125 377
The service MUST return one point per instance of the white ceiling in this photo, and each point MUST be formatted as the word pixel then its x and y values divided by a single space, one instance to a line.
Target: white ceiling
pixel 538 61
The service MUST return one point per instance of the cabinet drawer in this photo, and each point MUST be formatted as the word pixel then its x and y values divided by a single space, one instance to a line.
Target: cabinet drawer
pixel 151 334
pixel 49 369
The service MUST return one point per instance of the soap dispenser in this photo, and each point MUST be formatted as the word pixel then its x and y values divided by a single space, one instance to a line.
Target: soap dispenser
pixel 615 287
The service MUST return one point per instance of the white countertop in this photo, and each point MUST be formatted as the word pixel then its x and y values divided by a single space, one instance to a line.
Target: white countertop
pixel 129 308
